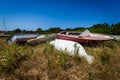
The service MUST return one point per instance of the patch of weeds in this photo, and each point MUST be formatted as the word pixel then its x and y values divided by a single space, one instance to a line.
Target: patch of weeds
pixel 91 76
pixel 49 63
pixel 48 53
pixel 104 57
pixel 53 56
pixel 11 55
pixel 62 58
pixel 110 44
pixel 48 49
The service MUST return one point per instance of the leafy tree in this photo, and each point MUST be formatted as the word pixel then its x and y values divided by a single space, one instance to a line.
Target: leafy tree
pixel 97 26
pixel 101 28
pixel 76 29
pixel 68 29
pixel 79 29
pixel 39 30
pixel 115 29
pixel 17 30
pixel 54 30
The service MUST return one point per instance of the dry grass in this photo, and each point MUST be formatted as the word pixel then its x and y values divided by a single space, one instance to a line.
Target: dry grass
pixel 46 63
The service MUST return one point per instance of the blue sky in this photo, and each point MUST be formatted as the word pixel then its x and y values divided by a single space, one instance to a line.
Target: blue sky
pixel 32 14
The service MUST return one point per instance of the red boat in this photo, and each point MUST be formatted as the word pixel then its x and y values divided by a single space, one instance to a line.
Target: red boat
pixel 85 37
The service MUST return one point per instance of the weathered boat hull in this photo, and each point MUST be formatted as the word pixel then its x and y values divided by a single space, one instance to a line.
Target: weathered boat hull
pixel 90 39
pixel 80 40
pixel 21 38
pixel 4 35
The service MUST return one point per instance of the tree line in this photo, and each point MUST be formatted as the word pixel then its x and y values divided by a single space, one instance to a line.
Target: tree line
pixel 104 28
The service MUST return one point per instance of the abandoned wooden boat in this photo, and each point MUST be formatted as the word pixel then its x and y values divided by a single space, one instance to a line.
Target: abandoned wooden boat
pixel 85 37
pixel 31 39
pixel 4 35
pixel 21 38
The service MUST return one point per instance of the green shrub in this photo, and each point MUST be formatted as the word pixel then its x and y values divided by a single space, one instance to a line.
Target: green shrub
pixel 11 56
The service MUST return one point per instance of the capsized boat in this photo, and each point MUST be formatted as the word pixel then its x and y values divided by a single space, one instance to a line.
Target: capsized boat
pixel 85 37
pixel 21 38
